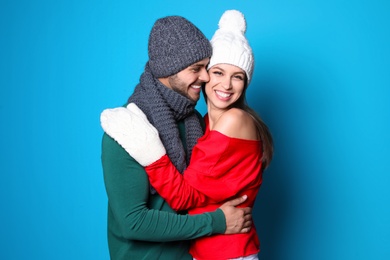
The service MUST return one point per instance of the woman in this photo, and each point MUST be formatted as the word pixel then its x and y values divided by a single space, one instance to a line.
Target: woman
pixel 226 162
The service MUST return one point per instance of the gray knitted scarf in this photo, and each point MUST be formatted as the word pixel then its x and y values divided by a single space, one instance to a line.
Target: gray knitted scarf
pixel 164 108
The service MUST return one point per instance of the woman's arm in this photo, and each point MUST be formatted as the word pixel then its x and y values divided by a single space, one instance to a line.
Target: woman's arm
pixel 172 186
pixel 209 178
pixel 204 176
pixel 128 194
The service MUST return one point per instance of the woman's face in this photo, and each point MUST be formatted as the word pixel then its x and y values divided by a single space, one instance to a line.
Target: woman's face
pixel 225 87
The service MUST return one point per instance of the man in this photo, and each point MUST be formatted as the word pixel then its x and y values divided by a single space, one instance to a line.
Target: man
pixel 141 225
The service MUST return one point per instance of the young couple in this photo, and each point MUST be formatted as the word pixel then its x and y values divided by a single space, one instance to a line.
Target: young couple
pixel 210 167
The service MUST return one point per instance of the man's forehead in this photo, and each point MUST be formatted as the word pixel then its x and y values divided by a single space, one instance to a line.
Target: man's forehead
pixel 201 63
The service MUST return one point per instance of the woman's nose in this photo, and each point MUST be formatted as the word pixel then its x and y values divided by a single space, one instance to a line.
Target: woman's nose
pixel 226 83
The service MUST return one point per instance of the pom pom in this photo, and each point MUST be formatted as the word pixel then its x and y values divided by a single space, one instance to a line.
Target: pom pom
pixel 232 20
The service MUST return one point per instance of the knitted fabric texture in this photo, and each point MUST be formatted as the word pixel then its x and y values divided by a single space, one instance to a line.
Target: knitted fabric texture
pixel 230 45
pixel 174 44
pixel 164 108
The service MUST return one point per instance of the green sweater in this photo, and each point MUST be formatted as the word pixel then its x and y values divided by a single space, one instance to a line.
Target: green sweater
pixel 142 225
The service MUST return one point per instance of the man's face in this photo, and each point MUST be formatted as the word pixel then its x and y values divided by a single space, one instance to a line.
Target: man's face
pixel 188 82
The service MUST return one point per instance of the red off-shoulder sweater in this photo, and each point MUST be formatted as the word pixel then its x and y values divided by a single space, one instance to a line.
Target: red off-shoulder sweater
pixel 221 168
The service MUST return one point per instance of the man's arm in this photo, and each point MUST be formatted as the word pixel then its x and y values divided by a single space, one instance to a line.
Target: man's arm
pixel 127 189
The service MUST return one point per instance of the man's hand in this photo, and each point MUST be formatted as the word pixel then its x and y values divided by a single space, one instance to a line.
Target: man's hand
pixel 238 220
pixel 132 130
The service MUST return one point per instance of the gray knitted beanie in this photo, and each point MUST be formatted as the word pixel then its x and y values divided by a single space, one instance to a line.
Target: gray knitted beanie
pixel 174 44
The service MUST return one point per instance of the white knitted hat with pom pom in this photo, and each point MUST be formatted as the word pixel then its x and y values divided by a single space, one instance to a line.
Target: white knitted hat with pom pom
pixel 230 45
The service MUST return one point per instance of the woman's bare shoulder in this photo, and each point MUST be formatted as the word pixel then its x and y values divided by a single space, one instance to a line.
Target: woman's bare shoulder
pixel 237 123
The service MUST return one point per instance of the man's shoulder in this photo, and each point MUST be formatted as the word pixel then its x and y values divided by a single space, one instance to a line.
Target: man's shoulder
pixel 112 149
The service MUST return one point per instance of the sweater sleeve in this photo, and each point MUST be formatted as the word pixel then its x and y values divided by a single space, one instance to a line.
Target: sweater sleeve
pixel 170 184
pixel 205 179
pixel 219 170
pixel 128 194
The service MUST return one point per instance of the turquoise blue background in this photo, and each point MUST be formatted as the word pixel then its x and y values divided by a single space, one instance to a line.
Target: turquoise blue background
pixel 321 83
